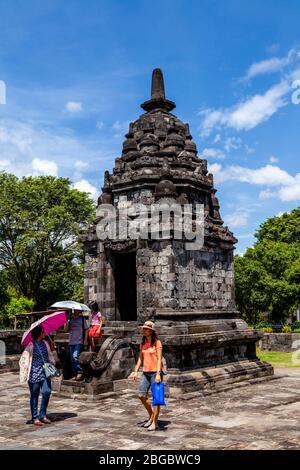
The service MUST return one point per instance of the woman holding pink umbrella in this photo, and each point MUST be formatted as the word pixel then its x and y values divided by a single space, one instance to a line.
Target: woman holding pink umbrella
pixel 35 361
pixel 35 355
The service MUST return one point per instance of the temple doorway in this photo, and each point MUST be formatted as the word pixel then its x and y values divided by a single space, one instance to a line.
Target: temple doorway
pixel 125 286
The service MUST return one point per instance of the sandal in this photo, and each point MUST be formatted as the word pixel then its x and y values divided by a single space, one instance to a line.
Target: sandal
pixel 153 427
pixel 46 420
pixel 148 423
pixel 79 378
pixel 37 422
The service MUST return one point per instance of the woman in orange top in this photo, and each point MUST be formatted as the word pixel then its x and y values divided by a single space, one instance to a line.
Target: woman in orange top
pixel 151 359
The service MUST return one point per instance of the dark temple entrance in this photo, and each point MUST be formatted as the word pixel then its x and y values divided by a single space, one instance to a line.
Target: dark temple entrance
pixel 125 286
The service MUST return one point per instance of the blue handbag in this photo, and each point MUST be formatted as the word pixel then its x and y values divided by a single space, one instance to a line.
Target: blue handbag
pixel 158 394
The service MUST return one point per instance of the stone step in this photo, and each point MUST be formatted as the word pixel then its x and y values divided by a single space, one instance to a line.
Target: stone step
pixel 223 387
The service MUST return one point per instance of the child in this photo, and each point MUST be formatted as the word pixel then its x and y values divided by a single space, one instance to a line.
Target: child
pixel 96 323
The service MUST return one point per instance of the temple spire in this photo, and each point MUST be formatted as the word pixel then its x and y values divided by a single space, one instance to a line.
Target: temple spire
pixel 158 99
pixel 157 86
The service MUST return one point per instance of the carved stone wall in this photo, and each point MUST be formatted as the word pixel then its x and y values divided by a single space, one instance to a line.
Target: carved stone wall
pixel 159 163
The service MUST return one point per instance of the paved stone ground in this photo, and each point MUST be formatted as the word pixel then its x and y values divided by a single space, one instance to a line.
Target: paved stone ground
pixel 260 416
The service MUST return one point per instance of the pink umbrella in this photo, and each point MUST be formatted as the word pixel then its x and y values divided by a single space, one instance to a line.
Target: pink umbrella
pixel 48 322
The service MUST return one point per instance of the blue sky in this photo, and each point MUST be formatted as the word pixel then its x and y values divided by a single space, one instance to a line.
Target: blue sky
pixel 77 71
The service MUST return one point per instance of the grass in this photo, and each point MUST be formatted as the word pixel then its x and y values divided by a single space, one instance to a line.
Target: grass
pixel 280 359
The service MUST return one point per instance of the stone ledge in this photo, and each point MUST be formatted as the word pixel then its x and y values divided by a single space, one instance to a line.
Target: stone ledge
pixel 11 365
pixel 281 342
pixel 215 378
pixel 214 337
pixel 226 388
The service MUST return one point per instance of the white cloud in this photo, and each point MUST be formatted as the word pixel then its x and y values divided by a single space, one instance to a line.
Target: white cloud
pixel 210 119
pixel 35 149
pixel 243 208
pixel 73 106
pixel 237 219
pixel 215 169
pixel 15 135
pixel 22 142
pixel 251 112
pixel 232 143
pixel 269 175
pixel 249 149
pixel 273 48
pixel 259 108
pixel 247 114
pixel 100 125
pixel 213 153
pixel 44 167
pixel 86 187
pixel 241 252
pixel 217 139
pixel 80 165
pixel 286 193
pixel 273 159
pixel 120 128
pixel 295 74
pixel 270 65
pixel 4 163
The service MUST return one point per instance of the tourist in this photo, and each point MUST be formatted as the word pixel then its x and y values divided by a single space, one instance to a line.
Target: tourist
pixel 78 328
pixel 151 359
pixel 34 356
pixel 95 330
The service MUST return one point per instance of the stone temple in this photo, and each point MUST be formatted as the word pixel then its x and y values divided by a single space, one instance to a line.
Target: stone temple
pixel 189 293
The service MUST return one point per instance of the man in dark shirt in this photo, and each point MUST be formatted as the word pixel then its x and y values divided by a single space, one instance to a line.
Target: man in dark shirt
pixel 78 329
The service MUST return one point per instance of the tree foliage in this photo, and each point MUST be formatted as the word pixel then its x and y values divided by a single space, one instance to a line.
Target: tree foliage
pixel 41 220
pixel 267 276
pixel 4 296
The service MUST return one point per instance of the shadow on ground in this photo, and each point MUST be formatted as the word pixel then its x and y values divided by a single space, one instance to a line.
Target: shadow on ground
pixel 56 417
pixel 61 416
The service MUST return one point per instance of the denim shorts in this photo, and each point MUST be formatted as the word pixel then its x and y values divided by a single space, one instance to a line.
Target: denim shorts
pixel 147 379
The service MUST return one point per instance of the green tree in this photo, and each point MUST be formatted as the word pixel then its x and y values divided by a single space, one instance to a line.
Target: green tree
pixel 285 228
pixel 14 306
pixel 41 221
pixel 268 274
pixel 4 296
pixel 251 301
pixel 20 305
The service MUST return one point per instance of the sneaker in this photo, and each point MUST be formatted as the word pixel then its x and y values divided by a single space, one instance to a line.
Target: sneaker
pixel 79 377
